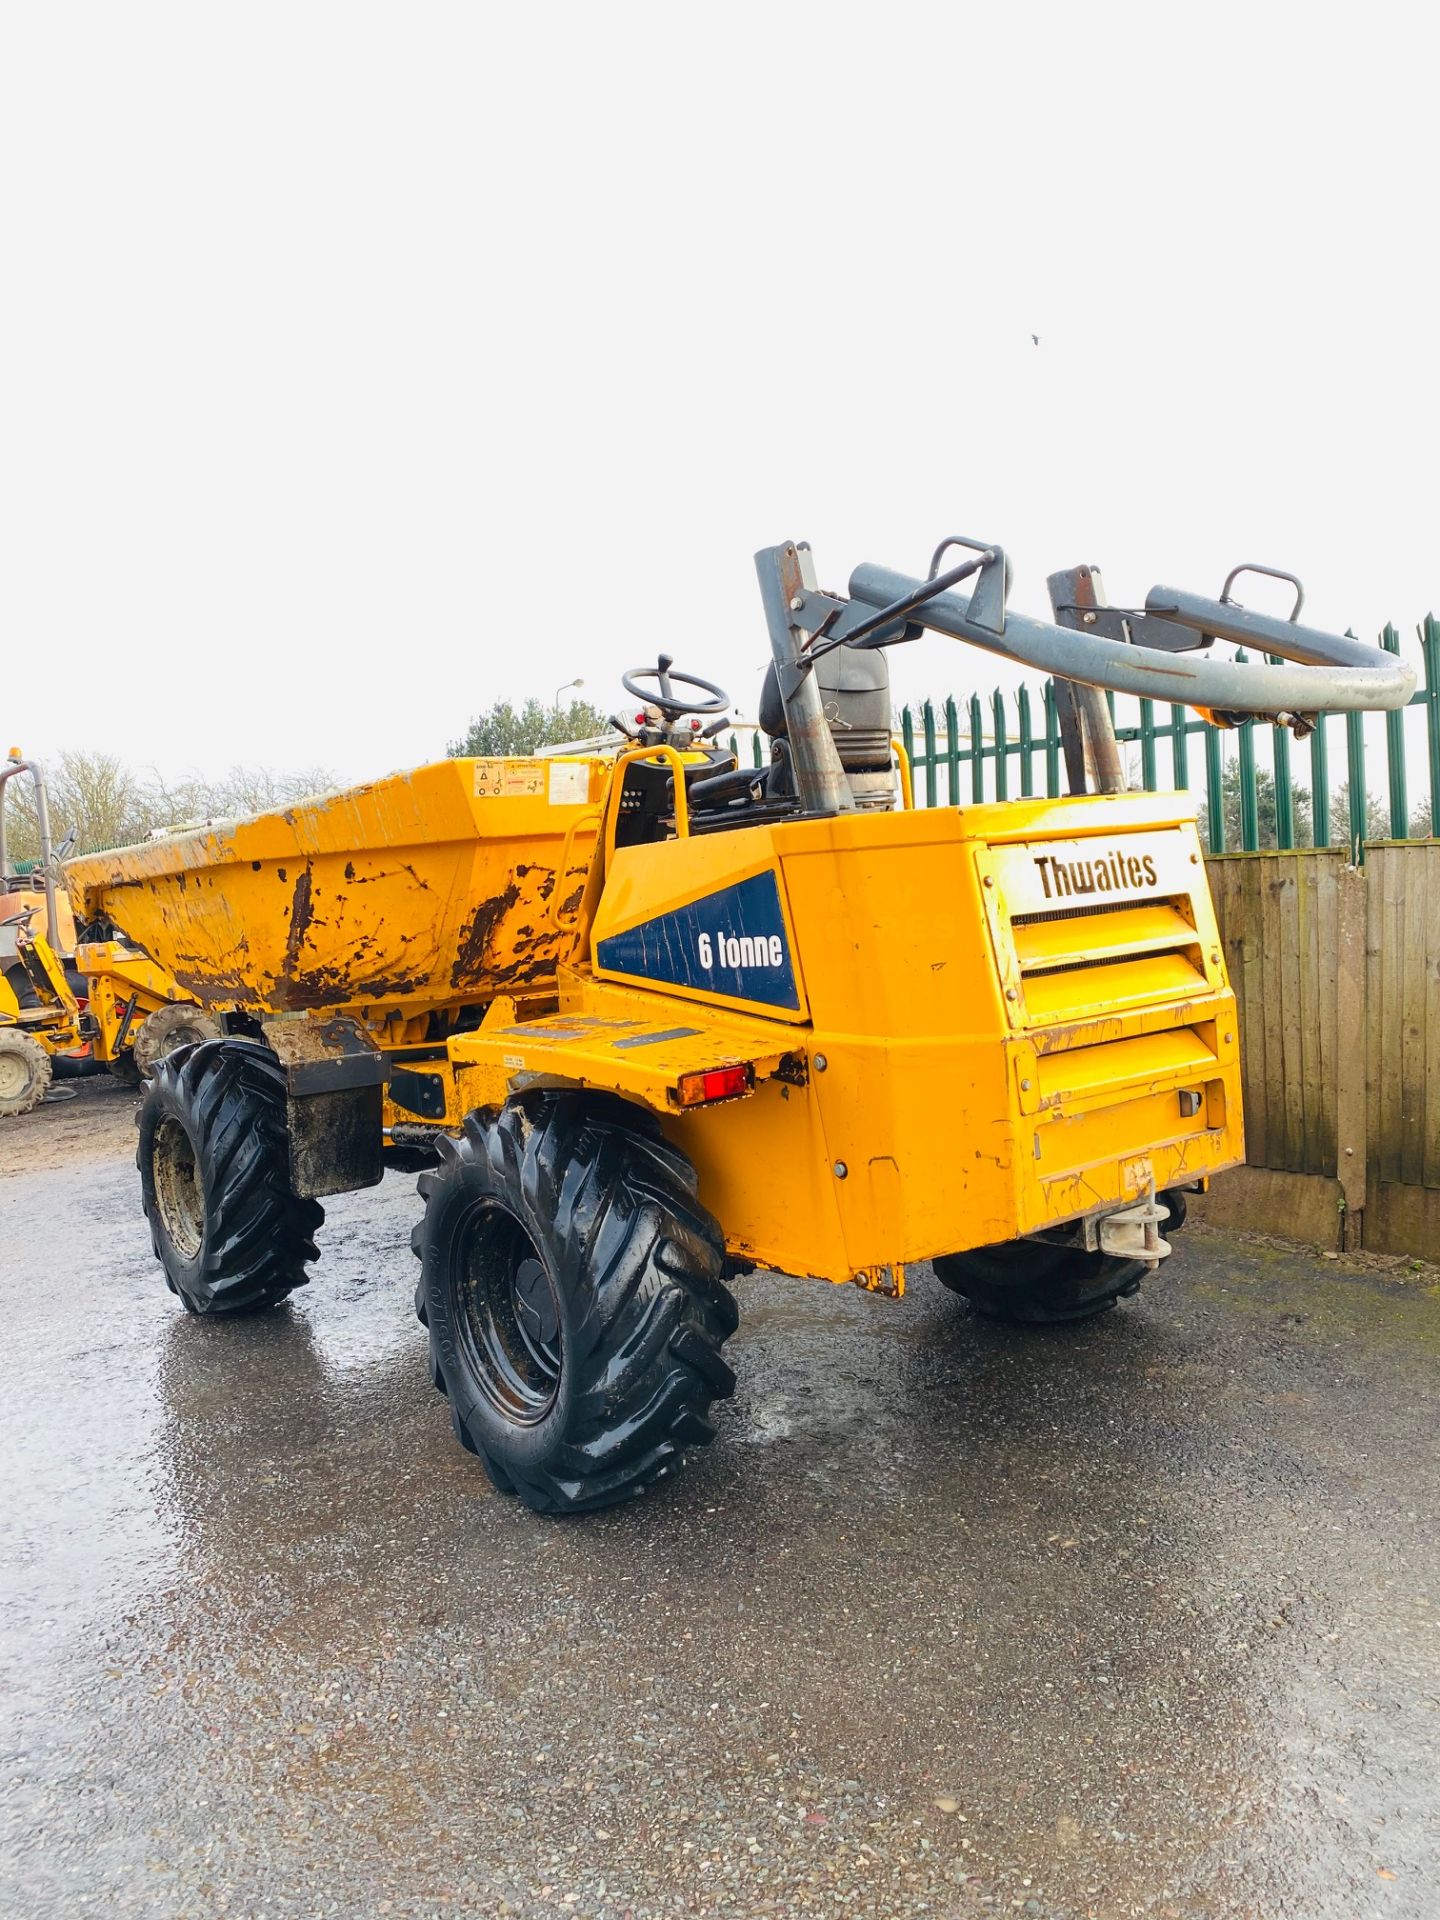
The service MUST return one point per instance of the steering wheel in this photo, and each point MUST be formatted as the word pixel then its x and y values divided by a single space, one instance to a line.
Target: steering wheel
pixel 666 681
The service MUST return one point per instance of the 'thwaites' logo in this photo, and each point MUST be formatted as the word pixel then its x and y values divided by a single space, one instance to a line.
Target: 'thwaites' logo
pixel 1114 872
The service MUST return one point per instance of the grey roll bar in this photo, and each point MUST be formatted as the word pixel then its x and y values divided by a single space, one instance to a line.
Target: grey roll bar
pixel 1336 674
pixel 1151 652
pixel 8 770
pixel 787 576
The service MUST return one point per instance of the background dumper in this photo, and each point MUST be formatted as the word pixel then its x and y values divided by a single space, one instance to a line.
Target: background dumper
pixel 64 998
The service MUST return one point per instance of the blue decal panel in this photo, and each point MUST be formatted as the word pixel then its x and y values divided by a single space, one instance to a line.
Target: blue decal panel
pixel 732 942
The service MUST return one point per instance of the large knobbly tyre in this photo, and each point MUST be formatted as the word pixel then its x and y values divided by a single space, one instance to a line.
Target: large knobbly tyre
pixel 215 1180
pixel 178 1025
pixel 571 1284
pixel 25 1073
pixel 1038 1284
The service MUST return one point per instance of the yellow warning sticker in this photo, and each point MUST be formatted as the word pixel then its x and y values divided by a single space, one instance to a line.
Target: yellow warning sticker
pixel 508 779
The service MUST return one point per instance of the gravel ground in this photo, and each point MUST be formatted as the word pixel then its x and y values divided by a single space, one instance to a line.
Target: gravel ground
pixel 1139 1618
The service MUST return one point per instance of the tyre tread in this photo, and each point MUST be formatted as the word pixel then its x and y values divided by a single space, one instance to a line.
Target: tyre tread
pixel 42 1071
pixel 652 1312
pixel 1031 1284
pixel 260 1234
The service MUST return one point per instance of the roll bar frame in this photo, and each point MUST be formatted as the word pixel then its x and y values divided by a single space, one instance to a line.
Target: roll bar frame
pixel 1158 652
pixel 9 768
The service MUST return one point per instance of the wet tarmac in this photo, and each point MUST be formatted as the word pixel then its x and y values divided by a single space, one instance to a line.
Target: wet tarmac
pixel 1135 1619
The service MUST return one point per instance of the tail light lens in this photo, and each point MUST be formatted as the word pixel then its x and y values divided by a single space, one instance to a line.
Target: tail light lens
pixel 715 1083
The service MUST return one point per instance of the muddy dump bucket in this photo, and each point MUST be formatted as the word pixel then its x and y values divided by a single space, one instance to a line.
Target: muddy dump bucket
pixel 450 884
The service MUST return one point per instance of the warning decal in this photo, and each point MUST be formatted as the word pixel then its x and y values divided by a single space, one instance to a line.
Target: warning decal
pixel 508 779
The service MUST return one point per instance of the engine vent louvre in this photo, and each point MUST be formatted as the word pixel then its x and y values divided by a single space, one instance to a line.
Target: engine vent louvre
pixel 1076 913
pixel 1114 954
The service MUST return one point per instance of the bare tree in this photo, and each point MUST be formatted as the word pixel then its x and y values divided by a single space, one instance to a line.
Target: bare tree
pixel 108 804
pixel 233 795
pixel 96 794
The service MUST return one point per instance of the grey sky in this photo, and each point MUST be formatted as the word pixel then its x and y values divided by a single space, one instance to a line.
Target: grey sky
pixel 362 365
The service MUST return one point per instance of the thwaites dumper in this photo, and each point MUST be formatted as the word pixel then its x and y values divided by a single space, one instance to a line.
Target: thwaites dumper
pixel 67 999
pixel 653 1018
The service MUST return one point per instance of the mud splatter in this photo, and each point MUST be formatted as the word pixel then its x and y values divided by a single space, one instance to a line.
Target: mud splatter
pixel 470 956
pixel 302 912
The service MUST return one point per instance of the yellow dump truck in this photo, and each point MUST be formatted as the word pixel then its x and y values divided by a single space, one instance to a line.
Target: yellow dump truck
pixel 650 1018
pixel 62 998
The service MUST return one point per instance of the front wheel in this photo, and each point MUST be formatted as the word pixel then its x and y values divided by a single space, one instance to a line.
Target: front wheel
pixel 571 1286
pixel 25 1071
pixel 1035 1283
pixel 214 1159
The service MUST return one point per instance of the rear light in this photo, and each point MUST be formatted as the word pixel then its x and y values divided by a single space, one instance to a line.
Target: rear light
pixel 716 1083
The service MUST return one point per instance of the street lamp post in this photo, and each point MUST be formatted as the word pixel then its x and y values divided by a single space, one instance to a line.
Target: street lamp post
pixel 565 689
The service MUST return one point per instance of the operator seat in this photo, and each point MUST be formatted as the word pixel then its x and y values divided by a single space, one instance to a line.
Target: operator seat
pixel 855 694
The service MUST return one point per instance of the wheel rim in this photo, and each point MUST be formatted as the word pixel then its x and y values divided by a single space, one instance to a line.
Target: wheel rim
pixel 509 1319
pixel 179 1193
pixel 16 1075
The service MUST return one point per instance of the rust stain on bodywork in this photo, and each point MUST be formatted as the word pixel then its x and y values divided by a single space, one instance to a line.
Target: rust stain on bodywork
pixel 212 986
pixel 506 942
pixel 302 912
pixel 385 873
pixel 335 987
pixel 475 936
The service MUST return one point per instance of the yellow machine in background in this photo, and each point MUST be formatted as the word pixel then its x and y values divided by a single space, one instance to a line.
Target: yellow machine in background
pixel 655 1019
pixel 63 999
pixel 134 1012
pixel 39 1013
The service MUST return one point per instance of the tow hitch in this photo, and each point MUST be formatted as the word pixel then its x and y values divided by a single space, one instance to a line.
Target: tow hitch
pixel 1134 1232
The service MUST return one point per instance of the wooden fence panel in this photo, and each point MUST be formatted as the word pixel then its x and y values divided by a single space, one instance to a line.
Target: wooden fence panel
pixel 1278 922
pixel 1280 918
pixel 1403 954
pixel 1226 885
pixel 1322 1077
pixel 1382 982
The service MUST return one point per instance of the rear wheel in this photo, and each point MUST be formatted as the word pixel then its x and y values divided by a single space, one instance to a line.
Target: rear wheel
pixel 25 1073
pixel 1038 1284
pixel 215 1179
pixel 571 1287
pixel 178 1025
